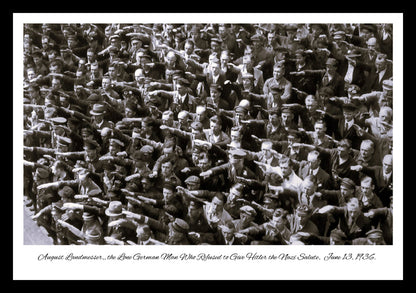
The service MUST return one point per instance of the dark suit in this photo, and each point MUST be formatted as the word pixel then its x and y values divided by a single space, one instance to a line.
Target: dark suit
pixel 373 82
pixel 323 179
pixel 382 187
pixel 350 133
pixel 358 229
pixel 336 83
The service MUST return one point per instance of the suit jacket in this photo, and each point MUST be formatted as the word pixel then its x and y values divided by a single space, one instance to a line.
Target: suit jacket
pixel 350 133
pixel 373 83
pixel 336 83
pixel 382 187
pixel 358 229
pixel 323 179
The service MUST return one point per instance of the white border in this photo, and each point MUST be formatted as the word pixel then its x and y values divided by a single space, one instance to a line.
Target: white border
pixel 387 266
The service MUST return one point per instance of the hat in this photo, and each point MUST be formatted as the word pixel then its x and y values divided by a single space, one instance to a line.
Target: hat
pixel 90 144
pixel 114 209
pixel 216 86
pixel 98 109
pixel 331 61
pixel 197 125
pixel 237 153
pixel 193 180
pixel 114 141
pixel 63 141
pixel 349 107
pixel 180 225
pixel 66 192
pixel 374 234
pixel 183 81
pixel 348 183
pixel 147 149
pixel 248 210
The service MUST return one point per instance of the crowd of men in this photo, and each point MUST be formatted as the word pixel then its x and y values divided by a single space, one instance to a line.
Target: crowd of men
pixel 209 134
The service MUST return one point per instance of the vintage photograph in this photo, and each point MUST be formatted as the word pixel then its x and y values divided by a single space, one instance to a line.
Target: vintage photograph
pixel 207 133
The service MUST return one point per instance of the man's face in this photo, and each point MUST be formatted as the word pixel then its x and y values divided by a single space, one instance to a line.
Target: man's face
pixel 91 154
pixel 215 127
pixel 308 188
pixel 170 60
pixel 286 118
pixel 343 151
pixel 225 59
pixel 278 72
pixel 311 105
pixel 98 118
pixel 331 69
pixel 314 162
pixel 384 116
pixel 54 69
pixel 366 188
pixel 320 129
pixel 167 194
pixel 166 169
pixel 182 90
pixel 194 212
pixel 113 149
pixel 245 218
pixel 142 235
pixel 366 151
pixel 380 64
pixel 267 153
pixel 203 164
pixel 247 84
pixel 348 115
pixel 106 83
pixel 56 83
pixel 215 68
pixel 146 185
pixel 346 192
pixel 286 169
pixel 188 48
pixel 387 165
pixel 112 72
pixel 31 74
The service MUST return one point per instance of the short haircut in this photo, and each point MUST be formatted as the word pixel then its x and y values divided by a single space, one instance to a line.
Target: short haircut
pixel 367 179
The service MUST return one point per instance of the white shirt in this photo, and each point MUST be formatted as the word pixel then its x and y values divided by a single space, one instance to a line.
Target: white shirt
pixel 348 75
pixel 381 74
pixel 348 124
pixel 315 171
pixel 215 78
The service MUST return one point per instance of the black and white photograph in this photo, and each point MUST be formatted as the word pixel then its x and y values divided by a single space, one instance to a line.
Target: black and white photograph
pixel 254 139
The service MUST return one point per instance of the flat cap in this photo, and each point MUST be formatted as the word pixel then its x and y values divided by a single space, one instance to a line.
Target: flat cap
pixel 193 179
pixel 180 225
pixel 147 149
